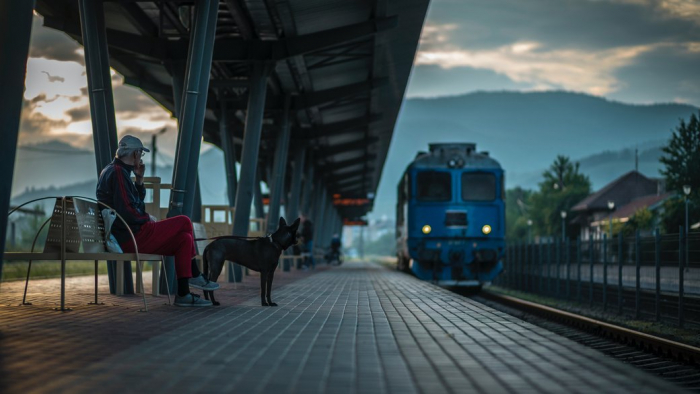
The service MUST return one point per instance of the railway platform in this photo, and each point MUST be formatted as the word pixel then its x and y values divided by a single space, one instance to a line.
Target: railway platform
pixel 358 328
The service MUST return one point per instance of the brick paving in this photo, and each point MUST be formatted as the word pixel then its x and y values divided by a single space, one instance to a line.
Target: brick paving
pixel 359 328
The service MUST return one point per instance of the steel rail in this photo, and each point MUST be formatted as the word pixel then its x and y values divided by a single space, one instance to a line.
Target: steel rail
pixel 666 347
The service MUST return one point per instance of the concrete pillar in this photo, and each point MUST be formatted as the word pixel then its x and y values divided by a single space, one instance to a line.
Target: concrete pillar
pixel 279 172
pixel 292 207
pixel 15 31
pixel 319 211
pixel 191 118
pixel 251 146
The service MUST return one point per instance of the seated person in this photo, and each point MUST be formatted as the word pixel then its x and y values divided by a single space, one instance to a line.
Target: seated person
pixel 169 237
pixel 335 248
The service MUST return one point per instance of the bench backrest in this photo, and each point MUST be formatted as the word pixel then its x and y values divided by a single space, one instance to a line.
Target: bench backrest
pixel 84 226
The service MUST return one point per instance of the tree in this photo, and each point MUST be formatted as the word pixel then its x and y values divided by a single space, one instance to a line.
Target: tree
pixel 563 186
pixel 643 219
pixel 681 157
pixel 517 213
pixel 681 162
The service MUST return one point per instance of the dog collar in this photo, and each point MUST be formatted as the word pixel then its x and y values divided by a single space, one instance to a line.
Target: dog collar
pixel 278 246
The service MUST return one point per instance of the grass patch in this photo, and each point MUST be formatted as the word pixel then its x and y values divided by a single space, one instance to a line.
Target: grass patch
pixel 17 270
pixel 683 335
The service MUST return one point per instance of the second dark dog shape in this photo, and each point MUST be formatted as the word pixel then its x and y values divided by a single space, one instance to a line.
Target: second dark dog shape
pixel 258 254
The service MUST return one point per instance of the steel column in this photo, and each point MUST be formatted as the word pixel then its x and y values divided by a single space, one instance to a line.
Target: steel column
pixel 292 207
pixel 308 187
pixel 168 276
pixel 15 31
pixel 229 155
pixel 191 118
pixel 279 171
pixel 258 198
pixel 104 125
pixel 251 146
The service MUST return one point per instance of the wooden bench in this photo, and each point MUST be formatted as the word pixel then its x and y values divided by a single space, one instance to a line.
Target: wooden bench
pixel 76 233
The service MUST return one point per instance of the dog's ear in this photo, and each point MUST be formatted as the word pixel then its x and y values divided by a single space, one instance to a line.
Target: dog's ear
pixel 295 225
pixel 282 222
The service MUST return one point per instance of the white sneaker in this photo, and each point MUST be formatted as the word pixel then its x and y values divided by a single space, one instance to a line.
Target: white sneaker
pixel 191 300
pixel 203 283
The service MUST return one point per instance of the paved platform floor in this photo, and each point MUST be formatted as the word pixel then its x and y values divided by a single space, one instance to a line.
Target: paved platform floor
pixel 359 328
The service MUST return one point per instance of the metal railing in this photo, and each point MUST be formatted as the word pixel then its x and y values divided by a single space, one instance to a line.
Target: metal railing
pixel 653 278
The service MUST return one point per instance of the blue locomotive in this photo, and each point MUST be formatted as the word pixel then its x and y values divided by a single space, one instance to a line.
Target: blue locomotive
pixel 450 216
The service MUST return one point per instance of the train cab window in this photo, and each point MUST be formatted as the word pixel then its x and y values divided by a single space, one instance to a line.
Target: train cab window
pixel 478 186
pixel 434 186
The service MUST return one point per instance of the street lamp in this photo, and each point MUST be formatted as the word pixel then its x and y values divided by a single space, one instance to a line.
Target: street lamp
pixel 686 191
pixel 611 207
pixel 529 228
pixel 563 225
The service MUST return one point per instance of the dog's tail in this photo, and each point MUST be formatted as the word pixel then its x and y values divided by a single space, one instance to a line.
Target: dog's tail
pixel 205 263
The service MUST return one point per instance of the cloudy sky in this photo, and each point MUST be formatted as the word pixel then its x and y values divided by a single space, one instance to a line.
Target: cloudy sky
pixel 636 51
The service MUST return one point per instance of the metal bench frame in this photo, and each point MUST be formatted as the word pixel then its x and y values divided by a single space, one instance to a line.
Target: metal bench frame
pixel 62 255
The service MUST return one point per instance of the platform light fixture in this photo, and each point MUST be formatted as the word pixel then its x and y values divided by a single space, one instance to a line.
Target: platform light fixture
pixel 486 229
pixel 427 229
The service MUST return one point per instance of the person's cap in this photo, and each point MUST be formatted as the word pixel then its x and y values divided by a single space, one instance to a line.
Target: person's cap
pixel 131 142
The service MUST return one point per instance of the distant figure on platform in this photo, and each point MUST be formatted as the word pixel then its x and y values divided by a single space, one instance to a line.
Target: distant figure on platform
pixel 334 252
pixel 307 235
pixel 169 237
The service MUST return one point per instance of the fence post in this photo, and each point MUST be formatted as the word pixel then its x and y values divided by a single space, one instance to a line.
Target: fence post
pixel 519 253
pixel 549 266
pixel 681 262
pixel 539 265
pixel 638 262
pixel 578 268
pixel 590 278
pixel 619 272
pixel 567 259
pixel 605 271
pixel 657 263
pixel 558 280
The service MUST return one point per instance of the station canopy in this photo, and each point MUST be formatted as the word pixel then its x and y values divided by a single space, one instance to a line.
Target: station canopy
pixel 345 65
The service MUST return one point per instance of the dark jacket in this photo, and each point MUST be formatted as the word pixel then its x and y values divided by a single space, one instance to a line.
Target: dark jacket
pixel 116 189
pixel 307 230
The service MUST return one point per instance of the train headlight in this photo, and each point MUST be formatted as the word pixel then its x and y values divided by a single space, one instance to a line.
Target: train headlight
pixel 427 229
pixel 486 229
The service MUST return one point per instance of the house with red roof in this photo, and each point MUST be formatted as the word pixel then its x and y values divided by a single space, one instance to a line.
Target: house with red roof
pixel 626 195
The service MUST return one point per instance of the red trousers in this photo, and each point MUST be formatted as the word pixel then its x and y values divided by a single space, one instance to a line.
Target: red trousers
pixel 168 237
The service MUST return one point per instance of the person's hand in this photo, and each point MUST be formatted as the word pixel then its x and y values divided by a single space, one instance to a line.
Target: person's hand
pixel 139 170
pixel 153 218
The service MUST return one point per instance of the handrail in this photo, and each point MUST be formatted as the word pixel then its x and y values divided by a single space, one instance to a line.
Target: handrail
pixel 13 210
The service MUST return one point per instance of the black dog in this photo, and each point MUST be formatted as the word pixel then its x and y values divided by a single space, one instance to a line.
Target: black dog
pixel 259 254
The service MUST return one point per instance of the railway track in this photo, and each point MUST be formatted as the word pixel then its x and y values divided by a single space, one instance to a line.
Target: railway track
pixel 673 361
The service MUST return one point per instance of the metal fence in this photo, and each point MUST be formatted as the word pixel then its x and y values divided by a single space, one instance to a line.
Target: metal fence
pixel 653 278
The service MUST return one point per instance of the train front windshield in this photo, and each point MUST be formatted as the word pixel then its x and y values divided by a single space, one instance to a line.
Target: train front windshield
pixel 478 186
pixel 434 186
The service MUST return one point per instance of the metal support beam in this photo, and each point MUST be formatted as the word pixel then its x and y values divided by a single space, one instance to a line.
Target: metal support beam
pixel 308 187
pixel 292 207
pixel 279 173
pixel 339 165
pixel 330 129
pixel 251 147
pixel 191 119
pixel 319 210
pixel 229 155
pixel 358 145
pixel 258 199
pixel 104 125
pixel 15 31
